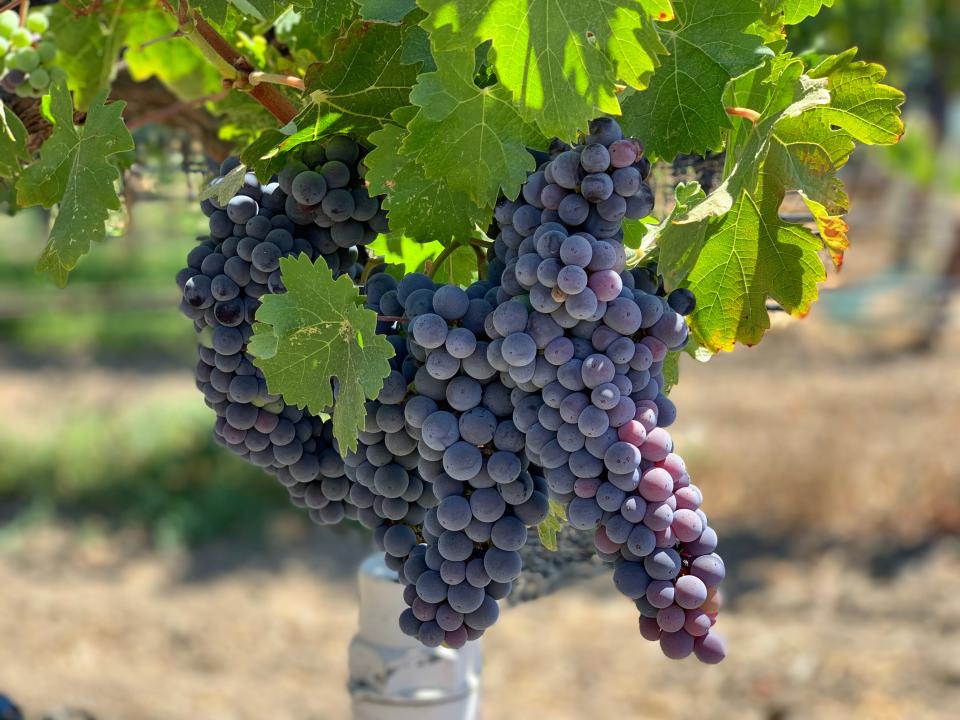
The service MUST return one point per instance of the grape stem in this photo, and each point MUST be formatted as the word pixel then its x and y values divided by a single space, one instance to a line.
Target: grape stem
pixel 163 38
pixel 441 258
pixel 751 115
pixel 258 76
pixel 24 9
pixel 233 66
pixel 478 250
pixel 390 318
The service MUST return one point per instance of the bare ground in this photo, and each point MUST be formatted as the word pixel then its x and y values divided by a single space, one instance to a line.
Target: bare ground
pixel 817 636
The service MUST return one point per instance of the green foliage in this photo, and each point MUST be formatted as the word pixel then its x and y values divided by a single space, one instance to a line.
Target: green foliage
pixel 671 371
pixel 76 170
pixel 420 208
pixel 795 11
pixel 472 138
pixel 354 92
pixel 317 331
pixel 404 256
pixel 175 62
pixel 13 145
pixel 88 46
pixel 731 248
pixel 560 60
pixel 390 11
pixel 447 96
pixel 682 111
pixel 365 80
pixel 227 187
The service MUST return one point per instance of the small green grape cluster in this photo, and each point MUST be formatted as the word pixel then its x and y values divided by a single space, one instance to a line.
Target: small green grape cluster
pixel 26 55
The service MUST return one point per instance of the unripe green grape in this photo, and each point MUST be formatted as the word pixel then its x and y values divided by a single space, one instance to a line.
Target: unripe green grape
pixel 4 45
pixel 37 23
pixel 39 79
pixel 47 51
pixel 24 90
pixel 9 21
pixel 25 59
pixel 21 37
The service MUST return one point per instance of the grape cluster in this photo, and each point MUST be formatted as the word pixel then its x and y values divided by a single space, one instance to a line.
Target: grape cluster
pixel 326 188
pixel 544 380
pixel 389 493
pixel 471 452
pixel 26 55
pixel 226 275
pixel 585 340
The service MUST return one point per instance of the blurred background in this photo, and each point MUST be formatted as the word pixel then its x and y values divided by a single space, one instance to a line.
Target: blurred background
pixel 144 573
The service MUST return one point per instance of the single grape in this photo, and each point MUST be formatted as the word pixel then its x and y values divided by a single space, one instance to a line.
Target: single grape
pixel 21 37
pixel 37 23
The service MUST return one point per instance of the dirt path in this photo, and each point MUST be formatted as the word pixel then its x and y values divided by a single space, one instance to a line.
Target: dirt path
pixel 146 637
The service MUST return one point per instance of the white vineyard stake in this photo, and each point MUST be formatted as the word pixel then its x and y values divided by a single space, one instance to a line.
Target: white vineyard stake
pixel 394 677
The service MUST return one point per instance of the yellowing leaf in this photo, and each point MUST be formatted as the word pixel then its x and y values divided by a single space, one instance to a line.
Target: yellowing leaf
pixel 551 527
pixel 746 258
pixel 731 248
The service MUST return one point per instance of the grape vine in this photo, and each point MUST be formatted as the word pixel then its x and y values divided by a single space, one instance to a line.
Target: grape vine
pixel 437 295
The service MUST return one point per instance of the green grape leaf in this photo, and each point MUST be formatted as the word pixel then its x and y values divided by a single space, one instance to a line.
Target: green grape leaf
pixel 680 250
pixel 75 170
pixel 418 207
pixel 309 30
pixel 416 49
pixel 354 92
pixel 226 187
pixel 473 138
pixel 13 144
pixel 88 46
pixel 749 256
pixel 259 9
pixel 213 10
pixel 363 82
pixel 795 11
pixel 325 16
pixel 560 60
pixel 389 11
pixel 548 530
pixel 217 11
pixel 317 331
pixel 732 248
pixel 175 61
pixel 682 110
pixel 404 256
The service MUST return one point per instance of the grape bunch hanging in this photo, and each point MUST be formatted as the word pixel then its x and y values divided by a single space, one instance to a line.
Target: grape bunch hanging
pixel 27 54
pixel 542 382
